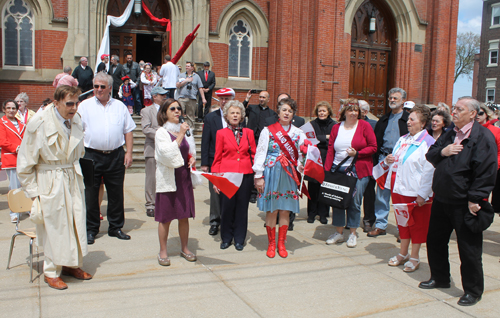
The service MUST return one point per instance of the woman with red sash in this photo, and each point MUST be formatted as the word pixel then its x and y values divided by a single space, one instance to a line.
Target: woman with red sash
pixel 410 180
pixel 276 177
pixel 11 135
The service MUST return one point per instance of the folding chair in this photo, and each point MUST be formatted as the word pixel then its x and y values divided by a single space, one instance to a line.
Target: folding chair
pixel 18 203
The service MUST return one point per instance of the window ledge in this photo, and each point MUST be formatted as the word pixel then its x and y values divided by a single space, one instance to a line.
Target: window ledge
pixel 492 65
pixel 495 26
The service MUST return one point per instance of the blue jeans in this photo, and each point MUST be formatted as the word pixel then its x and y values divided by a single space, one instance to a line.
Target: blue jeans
pixel 382 205
pixel 13 184
pixel 354 209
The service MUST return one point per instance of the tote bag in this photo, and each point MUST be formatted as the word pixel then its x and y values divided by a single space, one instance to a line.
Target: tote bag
pixel 338 188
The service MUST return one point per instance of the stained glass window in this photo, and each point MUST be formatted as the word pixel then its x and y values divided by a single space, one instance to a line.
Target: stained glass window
pixel 18 30
pixel 240 50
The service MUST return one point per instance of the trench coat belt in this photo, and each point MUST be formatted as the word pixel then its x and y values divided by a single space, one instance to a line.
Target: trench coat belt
pixel 44 167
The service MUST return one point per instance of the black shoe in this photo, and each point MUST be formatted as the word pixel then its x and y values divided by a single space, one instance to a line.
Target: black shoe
pixel 432 283
pixel 199 120
pixel 310 219
pixel 150 213
pixel 90 238
pixel 238 246
pixel 119 234
pixel 323 220
pixel 214 229
pixel 224 245
pixel 253 198
pixel 290 227
pixel 468 300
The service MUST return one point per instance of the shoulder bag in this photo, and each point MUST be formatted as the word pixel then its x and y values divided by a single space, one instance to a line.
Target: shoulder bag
pixel 338 188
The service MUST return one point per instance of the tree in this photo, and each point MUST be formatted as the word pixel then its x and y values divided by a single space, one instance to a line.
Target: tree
pixel 467 47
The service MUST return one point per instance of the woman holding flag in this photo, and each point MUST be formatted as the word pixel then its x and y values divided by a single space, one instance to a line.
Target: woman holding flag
pixel 234 152
pixel 351 139
pixel 276 178
pixel 410 180
pixel 175 153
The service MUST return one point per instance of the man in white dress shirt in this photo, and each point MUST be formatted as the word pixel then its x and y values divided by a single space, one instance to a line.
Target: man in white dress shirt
pixel 169 73
pixel 108 126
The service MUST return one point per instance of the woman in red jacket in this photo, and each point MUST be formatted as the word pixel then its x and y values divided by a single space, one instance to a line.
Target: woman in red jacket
pixel 349 137
pixel 234 152
pixel 11 135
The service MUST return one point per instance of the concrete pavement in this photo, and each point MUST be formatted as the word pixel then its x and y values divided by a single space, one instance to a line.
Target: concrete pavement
pixel 316 280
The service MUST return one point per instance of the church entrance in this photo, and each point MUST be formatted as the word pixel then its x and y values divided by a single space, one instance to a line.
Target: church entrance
pixel 144 39
pixel 372 62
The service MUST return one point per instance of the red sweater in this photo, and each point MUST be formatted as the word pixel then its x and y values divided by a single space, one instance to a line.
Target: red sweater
pixel 231 157
pixel 10 139
pixel 363 141
pixel 496 132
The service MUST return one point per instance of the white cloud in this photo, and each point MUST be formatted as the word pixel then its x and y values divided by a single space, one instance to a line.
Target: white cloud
pixel 472 25
pixel 469 9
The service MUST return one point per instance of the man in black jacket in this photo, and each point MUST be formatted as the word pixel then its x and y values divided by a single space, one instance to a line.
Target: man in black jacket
pixel 116 71
pixel 208 81
pixel 213 122
pixel 133 70
pixel 84 75
pixel 388 129
pixel 465 159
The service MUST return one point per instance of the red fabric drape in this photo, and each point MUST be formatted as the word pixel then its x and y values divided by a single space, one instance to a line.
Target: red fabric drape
pixel 163 22
pixel 187 42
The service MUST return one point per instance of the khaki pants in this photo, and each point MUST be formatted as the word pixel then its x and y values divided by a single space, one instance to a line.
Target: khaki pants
pixel 52 270
pixel 189 109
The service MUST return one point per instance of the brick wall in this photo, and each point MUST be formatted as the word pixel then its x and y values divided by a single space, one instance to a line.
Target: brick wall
pixel 37 93
pixel 60 8
pixel 475 75
pixel 49 46
pixel 218 6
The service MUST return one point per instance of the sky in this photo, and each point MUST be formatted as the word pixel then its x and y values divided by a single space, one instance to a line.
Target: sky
pixel 469 19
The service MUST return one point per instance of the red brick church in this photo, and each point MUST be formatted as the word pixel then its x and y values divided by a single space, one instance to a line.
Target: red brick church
pixel 312 49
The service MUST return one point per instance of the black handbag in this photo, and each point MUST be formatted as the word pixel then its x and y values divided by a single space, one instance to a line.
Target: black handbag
pixel 338 188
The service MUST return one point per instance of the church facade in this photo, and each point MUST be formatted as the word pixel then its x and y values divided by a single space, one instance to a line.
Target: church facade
pixel 312 49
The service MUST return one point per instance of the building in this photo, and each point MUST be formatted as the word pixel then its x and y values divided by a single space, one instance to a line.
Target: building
pixel 488 71
pixel 312 49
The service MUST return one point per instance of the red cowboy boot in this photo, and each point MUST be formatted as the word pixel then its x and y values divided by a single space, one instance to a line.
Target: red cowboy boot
pixel 271 236
pixel 281 241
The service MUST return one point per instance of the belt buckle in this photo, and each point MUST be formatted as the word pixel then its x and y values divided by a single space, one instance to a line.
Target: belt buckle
pixel 107 152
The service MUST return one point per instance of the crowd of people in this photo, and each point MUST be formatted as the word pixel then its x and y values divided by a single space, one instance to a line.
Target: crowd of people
pixel 438 172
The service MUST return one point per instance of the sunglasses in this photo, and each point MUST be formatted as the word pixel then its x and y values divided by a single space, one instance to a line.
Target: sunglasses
pixel 72 104
pixel 179 108
pixel 481 113
pixel 101 86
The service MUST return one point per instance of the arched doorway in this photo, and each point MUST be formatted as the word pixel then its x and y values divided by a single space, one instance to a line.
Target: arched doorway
pixel 372 60
pixel 144 39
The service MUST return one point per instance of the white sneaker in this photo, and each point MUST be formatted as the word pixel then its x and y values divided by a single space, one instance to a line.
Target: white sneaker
pixel 335 238
pixel 352 240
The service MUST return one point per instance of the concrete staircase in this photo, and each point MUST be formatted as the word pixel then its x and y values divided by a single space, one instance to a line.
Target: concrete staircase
pixel 138 164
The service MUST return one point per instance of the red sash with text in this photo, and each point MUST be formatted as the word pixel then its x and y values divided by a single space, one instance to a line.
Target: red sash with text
pixel 289 155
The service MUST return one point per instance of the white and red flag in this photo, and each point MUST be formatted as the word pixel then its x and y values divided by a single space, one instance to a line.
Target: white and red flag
pixel 228 182
pixel 308 130
pixel 380 173
pixel 314 165
pixel 403 212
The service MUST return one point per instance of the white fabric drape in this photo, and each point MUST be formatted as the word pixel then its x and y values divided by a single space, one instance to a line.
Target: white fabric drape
pixel 117 22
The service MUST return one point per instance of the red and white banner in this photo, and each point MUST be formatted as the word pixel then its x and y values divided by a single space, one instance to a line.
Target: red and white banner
pixel 228 182
pixel 310 133
pixel 380 173
pixel 314 165
pixel 403 213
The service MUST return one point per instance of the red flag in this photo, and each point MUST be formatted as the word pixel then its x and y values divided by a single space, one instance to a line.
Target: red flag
pixel 187 42
pixel 380 173
pixel 228 183
pixel 314 165
pixel 163 22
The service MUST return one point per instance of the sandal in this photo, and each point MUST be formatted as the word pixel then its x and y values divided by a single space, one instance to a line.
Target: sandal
pixel 410 266
pixel 394 261
pixel 163 261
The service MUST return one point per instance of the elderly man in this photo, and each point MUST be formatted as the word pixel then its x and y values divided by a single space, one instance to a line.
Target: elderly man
pixel 23 113
pixel 83 74
pixel 189 85
pixel 213 122
pixel 169 73
pixel 388 129
pixel 465 159
pixel 103 66
pixel 108 126
pixel 208 80
pixel 116 71
pixel 49 170
pixel 149 123
pixel 65 78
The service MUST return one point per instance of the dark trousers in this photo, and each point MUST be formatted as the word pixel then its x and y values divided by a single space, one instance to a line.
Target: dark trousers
pixel 171 92
pixel 314 207
pixel 202 113
pixel 234 212
pixel 495 194
pixel 110 168
pixel 136 92
pixel 369 202
pixel 114 94
pixel 444 219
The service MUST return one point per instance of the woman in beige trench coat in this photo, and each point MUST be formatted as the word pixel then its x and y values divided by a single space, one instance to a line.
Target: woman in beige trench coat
pixel 49 170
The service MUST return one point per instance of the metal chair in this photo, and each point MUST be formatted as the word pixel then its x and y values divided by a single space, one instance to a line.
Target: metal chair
pixel 18 203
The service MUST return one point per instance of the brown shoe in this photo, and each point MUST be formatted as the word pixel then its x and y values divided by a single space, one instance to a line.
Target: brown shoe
pixel 56 283
pixel 76 273
pixel 376 232
pixel 189 257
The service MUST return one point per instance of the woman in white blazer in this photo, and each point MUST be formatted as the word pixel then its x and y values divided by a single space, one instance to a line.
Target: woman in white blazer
pixel 175 153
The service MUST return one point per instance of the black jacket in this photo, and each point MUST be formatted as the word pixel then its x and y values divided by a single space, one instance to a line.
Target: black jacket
pixel 297 121
pixel 101 67
pixel 253 114
pixel 468 176
pixel 117 76
pixel 322 128
pixel 210 84
pixel 380 130
pixel 211 124
pixel 134 72
pixel 84 77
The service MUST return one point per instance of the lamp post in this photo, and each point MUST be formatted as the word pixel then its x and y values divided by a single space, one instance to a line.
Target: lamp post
pixel 137 7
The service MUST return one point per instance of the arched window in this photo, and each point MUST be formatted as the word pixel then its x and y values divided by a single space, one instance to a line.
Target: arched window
pixel 18 28
pixel 240 50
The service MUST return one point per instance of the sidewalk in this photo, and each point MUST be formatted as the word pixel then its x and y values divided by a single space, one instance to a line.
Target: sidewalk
pixel 316 280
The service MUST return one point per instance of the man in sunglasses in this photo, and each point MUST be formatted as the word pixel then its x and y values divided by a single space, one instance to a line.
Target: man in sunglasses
pixel 108 126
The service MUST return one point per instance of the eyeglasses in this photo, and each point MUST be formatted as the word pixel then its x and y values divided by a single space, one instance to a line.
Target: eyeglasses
pixel 179 108
pixel 481 113
pixel 72 104
pixel 101 86
pixel 20 101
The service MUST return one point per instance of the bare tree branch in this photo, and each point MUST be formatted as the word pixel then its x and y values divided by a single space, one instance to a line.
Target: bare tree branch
pixel 467 46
